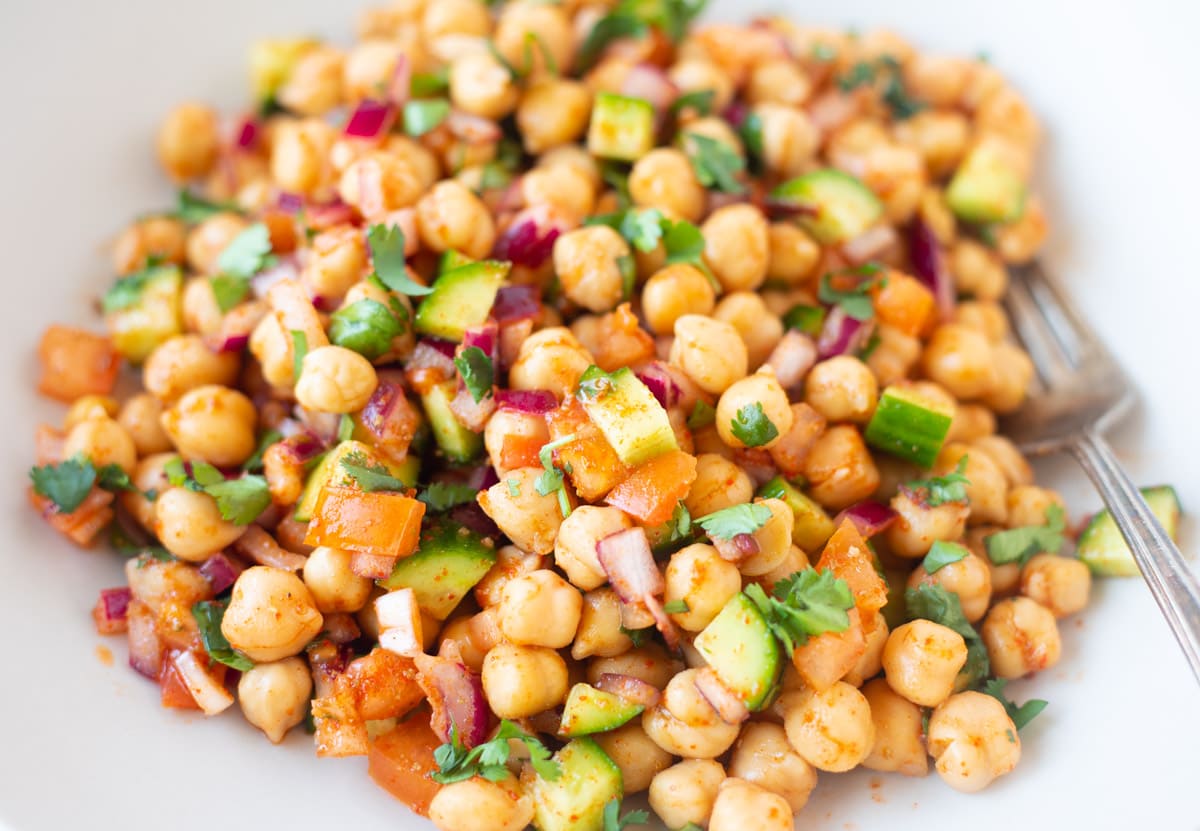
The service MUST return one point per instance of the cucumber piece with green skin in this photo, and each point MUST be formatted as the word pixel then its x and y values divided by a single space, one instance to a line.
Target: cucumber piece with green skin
pixel 628 415
pixel 461 299
pixel 137 330
pixel 985 189
pixel 834 205
pixel 743 652
pixel 452 260
pixel 575 800
pixel 448 562
pixel 1104 550
pixel 456 442
pixel 909 425
pixel 621 128
pixel 812 527
pixel 589 710
pixel 329 471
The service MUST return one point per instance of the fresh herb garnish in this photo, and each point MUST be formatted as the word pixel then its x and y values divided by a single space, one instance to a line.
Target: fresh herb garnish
pixel 489 760
pixel 68 483
pixel 1017 545
pixel 860 74
pixel 387 256
pixel 424 115
pixel 942 489
pixel 613 821
pixel 366 326
pixel 942 554
pixel 703 414
pixel 209 614
pixel 370 477
pixel 514 487
pixel 345 430
pixel 194 209
pixel 638 636
pixel 751 426
pixel 684 243
pixel 551 479
pixel 676 607
pixel 255 463
pixel 299 350
pixel 442 496
pixel 887 72
pixel 127 291
pixel 425 84
pixel 1020 715
pixel 611 27
pixel 727 523
pixel 477 372
pixel 679 526
pixel 715 163
pixel 240 500
pixel 246 254
pixel 698 100
pixel 936 603
pixel 807 603
pixel 804 318
pixel 855 302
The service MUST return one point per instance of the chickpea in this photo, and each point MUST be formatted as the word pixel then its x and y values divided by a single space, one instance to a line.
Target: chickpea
pixel 337 261
pixel 840 469
pixel 575 544
pixel 478 804
pixel 719 484
pixel 271 614
pixel 977 270
pixel 684 724
pixel 831 730
pixel 922 659
pixel 919 525
pixel 210 238
pixel 521 426
pixel 937 79
pixel 565 189
pixel 790 140
pixel 736 247
pixel 894 355
pixel 553 112
pixel 370 66
pixel 188 142
pixel 299 156
pixel 1006 576
pixel 550 359
pixel 774 540
pixel 898 732
pixel 1021 636
pixel 1013 375
pixel 760 330
pixel 651 664
pixel 455 17
pixel 672 292
pixel 1061 584
pixel 599 631
pixel 314 86
pixel 1019 241
pixel 201 314
pixel 155 236
pixel 986 316
pixel 702 579
pixel 711 352
pixel 103 441
pixel 971 422
pixel 961 360
pixel 212 423
pixel 141 416
pixel 540 609
pixel 870 663
pixel 272 346
pixel 531 35
pixel 511 562
pixel 761 392
pixel 695 74
pixel 450 217
pixel 521 681
pixel 588 263
pixel 334 379
pixel 970 578
pixel 973 741
pixel 762 756
pixel 1028 504
pixel 684 793
pixel 184 363
pixel 526 517
pixel 664 179
pixel 334 587
pixel 842 388
pixel 481 85
pixel 792 254
pixel 148 476
pixel 778 81
pixel 639 758
pixel 939 136
pixel 380 183
pixel 274 696
pixel 740 804
pixel 987 489
pixel 1008 458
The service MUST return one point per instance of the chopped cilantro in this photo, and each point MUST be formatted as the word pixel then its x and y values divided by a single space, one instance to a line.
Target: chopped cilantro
pixel 860 74
pixel 727 523
pixel 807 603
pixel 209 614
pixel 614 26
pixel 248 253
pixel 1020 715
pixel 240 500
pixel 1017 545
pixel 228 290
pixel 370 477
pixel 551 479
pixel 942 489
pixel 699 101
pixel 823 52
pixel 616 176
pixel 366 326
pixel 855 302
pixel 751 426
pixel 751 132
pixel 638 636
pixel 936 603
pixel 613 821
pixel 442 496
pixel 68 483
pixel 679 526
pixel 703 414
pixel 387 255
pixel 514 487
pixel 715 163
pixel 942 554
pixel 423 115
pixel 299 350
pixel 194 209
pixel 127 291
pixel 477 372
pixel 425 84
pixel 489 760
pixel 345 430
pixel 255 463
pixel 804 318
pixel 684 243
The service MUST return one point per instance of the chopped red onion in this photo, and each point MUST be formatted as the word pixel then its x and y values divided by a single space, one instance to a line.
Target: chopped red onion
pixel 322 425
pixel 870 244
pixel 456 697
pixel 736 114
pixel 111 612
pixel 303 446
pixel 473 129
pixel 287 268
pixel 208 691
pixel 527 241
pixel 325 216
pixel 483 337
pixel 649 83
pixel 472 516
pixel 145 647
pixel 629 688
pixel 401 86
pixel 792 358
pixel 341 628
pixel 929 265
pixel 292 203
pixel 236 326
pixel 666 626
pixel 659 379
pixel 516 303
pixel 220 571
pixel 629 565
pixel 372 566
pixel 389 416
pixel 534 402
pixel 370 120
pixel 433 354
pixel 260 547
pixel 247 133
pixel 445 347
pixel 841 334
pixel 728 705
pixel 470 413
pixel 870 517
pixel 736 549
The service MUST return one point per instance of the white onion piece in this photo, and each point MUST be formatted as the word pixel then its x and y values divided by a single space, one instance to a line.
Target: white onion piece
pixel 260 547
pixel 629 688
pixel 870 244
pixel 209 694
pixel 728 705
pixel 792 358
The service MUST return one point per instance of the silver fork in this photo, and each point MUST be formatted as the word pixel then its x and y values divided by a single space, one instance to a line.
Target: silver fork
pixel 1080 392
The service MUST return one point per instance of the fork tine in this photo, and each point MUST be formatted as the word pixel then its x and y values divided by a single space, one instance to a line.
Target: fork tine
pixel 1072 330
pixel 1036 333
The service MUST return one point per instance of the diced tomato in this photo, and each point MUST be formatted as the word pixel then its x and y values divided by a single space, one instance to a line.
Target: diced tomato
pixel 903 302
pixel 48 444
pixel 81 525
pixel 825 658
pixel 792 449
pixel 520 451
pixel 76 363
pixel 384 684
pixel 848 557
pixel 621 341
pixel 594 465
pixel 341 731
pixel 380 523
pixel 652 491
pixel 401 760
pixel 281 226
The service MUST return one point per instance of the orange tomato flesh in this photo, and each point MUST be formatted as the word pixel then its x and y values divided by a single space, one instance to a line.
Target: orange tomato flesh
pixel 652 491
pixel 381 523
pixel 401 760
pixel 848 557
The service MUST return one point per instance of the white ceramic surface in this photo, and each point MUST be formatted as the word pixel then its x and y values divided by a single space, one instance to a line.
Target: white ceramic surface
pixel 86 745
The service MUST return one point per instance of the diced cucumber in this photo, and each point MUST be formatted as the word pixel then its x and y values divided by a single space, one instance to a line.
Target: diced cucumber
pixel 330 472
pixel 1105 551
pixel 461 299
pixel 628 415
pixel 621 128
pixel 739 646
pixel 589 710
pixel 452 260
pixel 156 316
pixel 575 800
pixel 813 527
pixel 448 563
pixel 457 442
pixel 834 206
pixel 909 425
pixel 985 189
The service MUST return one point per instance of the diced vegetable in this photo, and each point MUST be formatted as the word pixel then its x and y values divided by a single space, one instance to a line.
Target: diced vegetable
pixel 589 710
pixel 986 189
pixel 575 800
pixel 833 206
pixel 456 442
pixel 740 647
pixel 81 525
pixel 904 303
pixel 450 560
pixel 823 659
pixel 651 492
pixel 137 329
pixel 621 128
pixel 812 527
pixel 909 425
pixel 329 472
pixel 462 298
pixel 594 465
pixel 381 523
pixel 849 557
pixel 401 760
pixel 271 62
pixel 627 413
pixel 1105 551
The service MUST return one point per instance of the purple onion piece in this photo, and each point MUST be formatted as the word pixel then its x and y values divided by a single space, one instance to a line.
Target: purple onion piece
pixel 516 303
pixel 535 402
pixel 370 119
pixel 929 265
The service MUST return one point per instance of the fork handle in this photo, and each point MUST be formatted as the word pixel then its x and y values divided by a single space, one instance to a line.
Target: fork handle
pixel 1171 580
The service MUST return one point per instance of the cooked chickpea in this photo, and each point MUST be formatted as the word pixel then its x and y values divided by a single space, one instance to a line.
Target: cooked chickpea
pixel 184 363
pixel 840 469
pixel 986 316
pixel 961 360
pixel 977 270
pixel 1019 241
pixel 970 578
pixel 454 17
pixel 588 264
pixel 1021 636
pixel 740 805
pixel 1061 584
pixel 672 292
pixel 334 587
pixel 478 804
pixel 684 724
pixel 694 74
pixel 711 352
pixel 102 440
pixel 792 254
pixel 736 247
pixel 450 217
pixel 212 423
pixel 334 379
pixel 774 540
pixel 1028 504
pixel 664 179
pixel 1008 458
pixel 762 756
pixel 201 314
pixel 987 489
pixel 523 22
pixel 521 681
pixel 314 86
pixel 760 330
pixel 369 67
pixel 919 525
pixel 274 696
pixel 337 261
pixel 540 609
pixel 188 142
pixel 1013 373
pixel 651 664
pixel 973 741
pixel 971 422
pixel 481 85
pixel 522 427
pixel 209 239
pixel 159 237
pixel 300 156
pixel 526 517
pixel 549 359
pixel 575 544
pixel 380 183
pixel 789 139
pixel 832 729
pixel 702 579
pixel 553 112
pixel 921 660
pixel 684 793
pixel 271 614
pixel 638 757
pixel 599 631
pixel 741 401
pixel 939 136
pixel 842 388
pixel 141 417
pixel 566 190
pixel 719 484
pixel 898 732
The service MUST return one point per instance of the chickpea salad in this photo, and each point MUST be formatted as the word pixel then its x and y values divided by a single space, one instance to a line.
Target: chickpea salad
pixel 560 401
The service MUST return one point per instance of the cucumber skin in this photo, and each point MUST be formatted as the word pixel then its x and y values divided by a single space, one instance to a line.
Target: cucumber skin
pixel 461 298
pixel 730 641
pixel 600 713
pixel 621 128
pixel 1101 546
pixel 457 442
pixel 907 428
pixel 448 563
pixel 559 805
pixel 845 207
pixel 632 420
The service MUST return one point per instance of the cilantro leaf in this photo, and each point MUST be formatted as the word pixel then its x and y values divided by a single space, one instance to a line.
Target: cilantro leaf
pixel 703 414
pixel 66 484
pixel 299 350
pixel 860 74
pixel 804 318
pixel 209 614
pixel 387 255
pixel 229 290
pixel 442 496
pixel 679 525
pixel 683 242
pixel 897 98
pixel 616 176
pixel 424 115
pixel 371 478
pixel 514 487
pixel 699 100
pixel 942 489
pixel 552 479
pixel 639 636
pixel 194 209
pixel 936 603
pixel 430 83
pixel 942 554
pixel 642 228
pixel 1020 715
pixel 751 132
pixel 1017 545
pixel 807 603
pixel 715 163
pixel 248 253
pixel 751 426
pixel 127 291
pixel 855 302
pixel 241 500
pixel 455 763
pixel 366 326
pixel 112 477
pixel 614 26
pixel 477 372
pixel 613 821
pixel 255 463
pixel 727 523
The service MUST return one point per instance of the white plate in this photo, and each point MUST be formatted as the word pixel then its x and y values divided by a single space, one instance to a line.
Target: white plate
pixel 85 744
